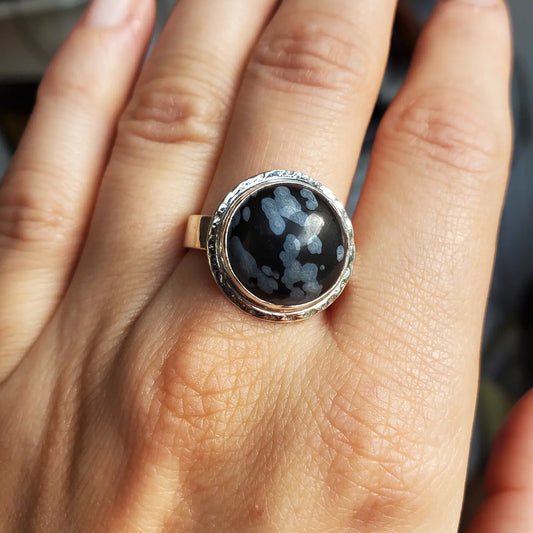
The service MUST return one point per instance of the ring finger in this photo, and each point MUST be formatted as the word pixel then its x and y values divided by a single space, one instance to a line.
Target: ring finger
pixel 168 142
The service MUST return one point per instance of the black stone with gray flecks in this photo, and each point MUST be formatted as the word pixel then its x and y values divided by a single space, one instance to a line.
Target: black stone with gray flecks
pixel 286 245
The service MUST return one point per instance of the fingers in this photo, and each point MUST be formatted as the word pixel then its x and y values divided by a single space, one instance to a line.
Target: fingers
pixel 168 143
pixel 308 93
pixel 425 231
pixel 510 477
pixel 511 465
pixel 47 198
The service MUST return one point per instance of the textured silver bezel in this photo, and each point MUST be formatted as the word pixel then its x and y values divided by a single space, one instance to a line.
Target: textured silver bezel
pixel 221 268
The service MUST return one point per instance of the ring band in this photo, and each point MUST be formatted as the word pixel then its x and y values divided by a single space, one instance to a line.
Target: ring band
pixel 197 233
pixel 280 245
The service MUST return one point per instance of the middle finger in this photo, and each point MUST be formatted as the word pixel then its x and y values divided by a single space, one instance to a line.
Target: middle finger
pixel 308 93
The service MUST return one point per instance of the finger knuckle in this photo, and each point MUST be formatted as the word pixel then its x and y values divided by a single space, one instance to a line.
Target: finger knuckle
pixel 200 397
pixel 449 129
pixel 172 111
pixel 374 455
pixel 313 52
pixel 28 219
pixel 70 87
pixel 73 90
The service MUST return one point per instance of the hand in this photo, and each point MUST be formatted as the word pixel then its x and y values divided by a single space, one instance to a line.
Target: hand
pixel 134 397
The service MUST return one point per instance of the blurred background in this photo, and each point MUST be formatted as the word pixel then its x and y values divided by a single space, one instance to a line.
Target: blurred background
pixel 32 30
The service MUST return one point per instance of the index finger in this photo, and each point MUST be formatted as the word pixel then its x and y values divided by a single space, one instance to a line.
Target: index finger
pixel 425 232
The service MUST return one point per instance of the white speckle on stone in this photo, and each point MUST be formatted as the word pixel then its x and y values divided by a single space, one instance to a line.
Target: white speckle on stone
pixel 247 267
pixel 314 245
pixel 275 220
pixel 269 272
pixel 312 228
pixel 312 202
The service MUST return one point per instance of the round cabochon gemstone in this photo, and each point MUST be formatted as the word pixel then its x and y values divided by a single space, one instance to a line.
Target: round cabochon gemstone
pixel 286 245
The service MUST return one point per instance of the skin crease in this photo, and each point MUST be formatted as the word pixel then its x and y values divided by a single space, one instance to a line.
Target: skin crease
pixel 134 397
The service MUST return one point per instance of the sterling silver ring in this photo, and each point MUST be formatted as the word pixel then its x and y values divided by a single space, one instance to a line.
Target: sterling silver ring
pixel 280 245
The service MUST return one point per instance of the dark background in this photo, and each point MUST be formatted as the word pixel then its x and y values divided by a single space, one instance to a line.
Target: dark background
pixel 31 31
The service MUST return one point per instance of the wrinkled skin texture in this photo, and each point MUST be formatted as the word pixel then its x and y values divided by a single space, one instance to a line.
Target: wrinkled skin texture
pixel 134 397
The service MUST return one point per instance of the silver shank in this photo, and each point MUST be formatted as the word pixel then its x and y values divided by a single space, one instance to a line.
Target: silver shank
pixel 197 233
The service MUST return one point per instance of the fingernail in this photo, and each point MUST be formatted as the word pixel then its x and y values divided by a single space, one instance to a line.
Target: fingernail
pixel 482 3
pixel 108 12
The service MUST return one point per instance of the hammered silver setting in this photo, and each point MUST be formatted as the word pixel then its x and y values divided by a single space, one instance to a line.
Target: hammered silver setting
pixel 221 267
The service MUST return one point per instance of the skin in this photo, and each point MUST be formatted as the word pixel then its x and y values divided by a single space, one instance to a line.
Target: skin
pixel 134 397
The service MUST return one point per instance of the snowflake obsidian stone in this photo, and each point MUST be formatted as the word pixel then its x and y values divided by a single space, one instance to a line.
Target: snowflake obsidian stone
pixel 285 245
pixel 280 246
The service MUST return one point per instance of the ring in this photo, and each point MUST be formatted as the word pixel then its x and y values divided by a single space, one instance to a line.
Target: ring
pixel 280 245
